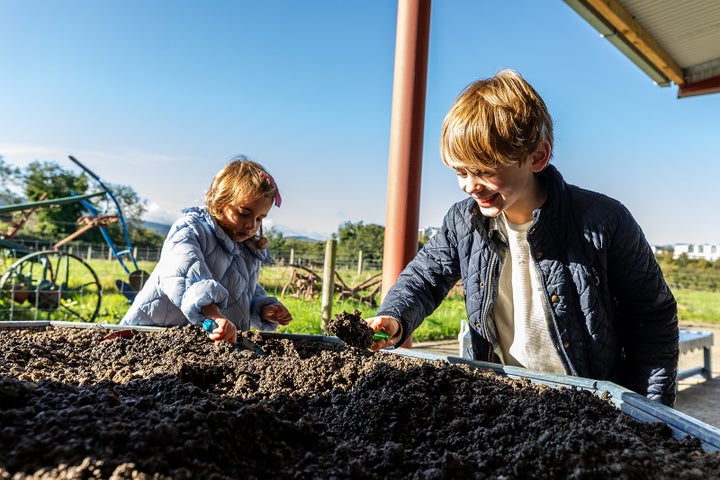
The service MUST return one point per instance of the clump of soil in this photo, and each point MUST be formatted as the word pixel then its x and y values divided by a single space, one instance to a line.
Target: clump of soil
pixel 173 405
pixel 351 329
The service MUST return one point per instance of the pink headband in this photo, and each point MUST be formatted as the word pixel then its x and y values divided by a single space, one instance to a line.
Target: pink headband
pixel 269 178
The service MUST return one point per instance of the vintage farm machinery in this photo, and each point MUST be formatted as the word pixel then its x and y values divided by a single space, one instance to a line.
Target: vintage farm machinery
pixel 305 283
pixel 55 284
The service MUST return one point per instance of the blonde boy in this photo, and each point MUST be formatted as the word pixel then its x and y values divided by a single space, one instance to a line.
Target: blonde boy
pixel 556 278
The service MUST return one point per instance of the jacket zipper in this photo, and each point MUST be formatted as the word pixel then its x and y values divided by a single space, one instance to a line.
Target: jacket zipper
pixel 486 308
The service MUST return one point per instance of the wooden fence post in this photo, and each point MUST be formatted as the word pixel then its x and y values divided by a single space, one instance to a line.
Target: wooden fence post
pixel 328 285
pixel 360 265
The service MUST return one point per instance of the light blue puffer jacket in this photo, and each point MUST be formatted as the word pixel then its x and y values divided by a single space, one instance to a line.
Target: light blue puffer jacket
pixel 200 265
pixel 613 316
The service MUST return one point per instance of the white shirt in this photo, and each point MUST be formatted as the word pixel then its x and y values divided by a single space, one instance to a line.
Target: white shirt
pixel 520 314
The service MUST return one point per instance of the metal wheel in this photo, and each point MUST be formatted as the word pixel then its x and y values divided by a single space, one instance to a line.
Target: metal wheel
pixel 50 285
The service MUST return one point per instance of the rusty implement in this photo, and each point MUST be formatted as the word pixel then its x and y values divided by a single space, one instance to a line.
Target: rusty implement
pixel 128 333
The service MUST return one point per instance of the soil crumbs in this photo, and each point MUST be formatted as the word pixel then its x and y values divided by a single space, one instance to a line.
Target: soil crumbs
pixel 351 329
pixel 173 405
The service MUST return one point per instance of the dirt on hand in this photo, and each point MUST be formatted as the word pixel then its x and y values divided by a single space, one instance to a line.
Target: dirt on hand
pixel 173 405
pixel 351 329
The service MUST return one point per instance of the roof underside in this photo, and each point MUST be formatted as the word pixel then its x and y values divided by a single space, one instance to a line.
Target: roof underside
pixel 671 41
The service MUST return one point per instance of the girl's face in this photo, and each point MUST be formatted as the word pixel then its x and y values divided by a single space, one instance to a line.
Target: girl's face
pixel 512 189
pixel 243 220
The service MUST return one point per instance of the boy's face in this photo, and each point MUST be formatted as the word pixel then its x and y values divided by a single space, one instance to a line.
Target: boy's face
pixel 513 189
pixel 243 220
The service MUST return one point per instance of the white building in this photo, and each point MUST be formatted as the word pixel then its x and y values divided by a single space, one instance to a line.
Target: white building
pixel 707 251
pixel 428 231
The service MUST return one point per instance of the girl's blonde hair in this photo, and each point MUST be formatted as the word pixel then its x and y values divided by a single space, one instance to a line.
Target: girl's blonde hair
pixel 240 181
pixel 495 122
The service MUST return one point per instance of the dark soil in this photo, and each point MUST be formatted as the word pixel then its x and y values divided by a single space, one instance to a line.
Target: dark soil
pixel 172 404
pixel 351 329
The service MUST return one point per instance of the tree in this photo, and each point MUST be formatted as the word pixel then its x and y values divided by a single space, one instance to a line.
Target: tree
pixel 142 236
pixel 305 247
pixel 11 181
pixel 353 237
pixel 55 223
pixel 277 240
pixel 133 209
pixel 51 179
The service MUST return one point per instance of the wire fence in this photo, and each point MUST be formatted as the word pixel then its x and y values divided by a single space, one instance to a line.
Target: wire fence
pixel 100 251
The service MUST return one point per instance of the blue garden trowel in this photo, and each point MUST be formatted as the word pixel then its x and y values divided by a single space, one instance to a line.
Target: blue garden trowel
pixel 242 343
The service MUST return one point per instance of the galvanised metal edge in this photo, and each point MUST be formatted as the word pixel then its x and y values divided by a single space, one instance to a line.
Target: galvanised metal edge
pixel 647 410
pixel 58 323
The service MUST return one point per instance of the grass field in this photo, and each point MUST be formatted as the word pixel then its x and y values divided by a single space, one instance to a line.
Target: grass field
pixel 694 306
pixel 307 312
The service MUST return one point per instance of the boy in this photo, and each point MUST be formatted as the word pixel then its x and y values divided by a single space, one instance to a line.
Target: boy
pixel 556 278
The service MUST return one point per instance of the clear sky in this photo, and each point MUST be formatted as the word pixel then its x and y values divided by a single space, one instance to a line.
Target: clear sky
pixel 160 94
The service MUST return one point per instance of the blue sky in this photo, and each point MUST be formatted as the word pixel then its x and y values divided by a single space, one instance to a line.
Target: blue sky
pixel 159 95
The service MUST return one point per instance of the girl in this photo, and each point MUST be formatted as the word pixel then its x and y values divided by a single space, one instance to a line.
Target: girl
pixel 210 261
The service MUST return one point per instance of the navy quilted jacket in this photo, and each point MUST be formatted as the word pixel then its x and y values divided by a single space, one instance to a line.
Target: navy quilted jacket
pixel 613 316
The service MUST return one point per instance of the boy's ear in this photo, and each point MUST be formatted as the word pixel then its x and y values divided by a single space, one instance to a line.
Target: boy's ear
pixel 540 158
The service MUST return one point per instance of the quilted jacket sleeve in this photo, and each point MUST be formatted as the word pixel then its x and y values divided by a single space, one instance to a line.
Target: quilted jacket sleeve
pixel 184 275
pixel 425 281
pixel 647 313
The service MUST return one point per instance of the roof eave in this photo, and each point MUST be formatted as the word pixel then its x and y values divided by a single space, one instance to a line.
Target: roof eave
pixel 709 85
pixel 612 32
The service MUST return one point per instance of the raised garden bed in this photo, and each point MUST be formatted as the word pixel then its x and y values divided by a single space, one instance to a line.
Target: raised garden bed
pixel 171 404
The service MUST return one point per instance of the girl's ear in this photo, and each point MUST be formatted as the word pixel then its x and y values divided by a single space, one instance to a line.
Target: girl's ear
pixel 540 158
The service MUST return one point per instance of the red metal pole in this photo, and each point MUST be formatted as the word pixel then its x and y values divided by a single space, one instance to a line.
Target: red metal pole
pixel 406 139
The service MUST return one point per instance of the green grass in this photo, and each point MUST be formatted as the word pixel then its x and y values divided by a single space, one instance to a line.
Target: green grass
pixel 697 306
pixel 114 304
pixel 442 324
pixel 694 306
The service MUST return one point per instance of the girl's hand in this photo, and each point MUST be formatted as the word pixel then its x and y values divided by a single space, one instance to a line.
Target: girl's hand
pixel 387 324
pixel 277 313
pixel 225 330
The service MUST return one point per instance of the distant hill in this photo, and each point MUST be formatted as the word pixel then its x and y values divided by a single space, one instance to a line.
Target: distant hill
pixel 301 238
pixel 160 228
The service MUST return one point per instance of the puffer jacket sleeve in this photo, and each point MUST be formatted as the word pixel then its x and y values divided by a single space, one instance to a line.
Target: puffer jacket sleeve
pixel 647 313
pixel 184 274
pixel 426 280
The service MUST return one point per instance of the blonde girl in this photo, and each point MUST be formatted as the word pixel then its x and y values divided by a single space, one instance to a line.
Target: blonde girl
pixel 210 261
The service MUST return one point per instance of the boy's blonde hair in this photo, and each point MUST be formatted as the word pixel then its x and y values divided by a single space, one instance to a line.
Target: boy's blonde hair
pixel 240 181
pixel 494 123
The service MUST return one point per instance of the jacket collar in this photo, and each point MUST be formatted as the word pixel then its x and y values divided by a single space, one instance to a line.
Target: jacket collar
pixel 556 188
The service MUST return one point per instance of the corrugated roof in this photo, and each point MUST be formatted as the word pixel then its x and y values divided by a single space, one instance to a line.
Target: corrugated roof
pixel 671 40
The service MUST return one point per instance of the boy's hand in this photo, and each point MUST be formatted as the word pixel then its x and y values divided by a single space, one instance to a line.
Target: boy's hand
pixel 225 330
pixel 277 313
pixel 387 324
